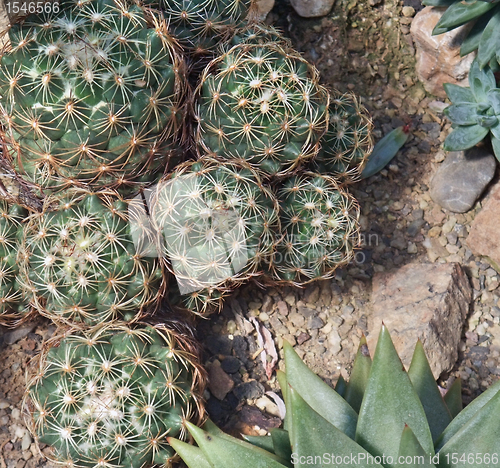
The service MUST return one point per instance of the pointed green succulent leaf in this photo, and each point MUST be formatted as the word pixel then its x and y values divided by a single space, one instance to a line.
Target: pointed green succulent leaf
pixel 468 414
pixel 487 121
pixel 411 453
pixel 281 443
pixel 281 377
pixel 471 42
pixel 494 99
pixel 460 13
pixel 453 398
pixel 315 440
pixel 495 143
pixel 212 428
pixel 420 373
pixel 495 130
pixel 264 442
pixel 341 386
pixel 478 436
pixel 490 40
pixel 463 113
pixel 390 403
pixel 459 94
pixel 464 137
pixel 192 456
pixel 320 396
pixel 230 452
pixel 359 376
pixel 481 81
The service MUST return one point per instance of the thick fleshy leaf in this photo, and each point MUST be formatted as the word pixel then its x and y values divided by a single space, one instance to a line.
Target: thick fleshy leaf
pixel 494 99
pixel 462 138
pixel 212 428
pixel 458 94
pixel 460 13
pixel 390 403
pixel 229 452
pixel 495 130
pixel 467 414
pixel 477 438
pixel 462 113
pixel 340 386
pixel 453 398
pixel 471 42
pixel 481 81
pixel 192 456
pixel 490 40
pixel 264 442
pixel 314 437
pixel 420 373
pixel 320 396
pixel 359 376
pixel 281 377
pixel 495 143
pixel 281 443
pixel 411 453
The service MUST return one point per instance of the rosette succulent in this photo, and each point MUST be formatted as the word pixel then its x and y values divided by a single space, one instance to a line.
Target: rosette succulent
pixel 86 259
pixel 90 94
pixel 111 395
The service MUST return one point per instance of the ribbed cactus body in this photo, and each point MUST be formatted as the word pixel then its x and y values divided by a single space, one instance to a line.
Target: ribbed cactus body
pixel 320 228
pixel 261 104
pixel 86 259
pixel 111 395
pixel 90 94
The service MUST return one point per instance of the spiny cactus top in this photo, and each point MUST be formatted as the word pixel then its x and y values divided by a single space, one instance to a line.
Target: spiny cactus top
pixel 261 104
pixel 89 260
pixel 320 226
pixel 218 223
pixel 347 142
pixel 109 397
pixel 13 305
pixel 91 94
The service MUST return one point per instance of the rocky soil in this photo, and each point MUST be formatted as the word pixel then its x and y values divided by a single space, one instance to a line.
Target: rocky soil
pixel 364 47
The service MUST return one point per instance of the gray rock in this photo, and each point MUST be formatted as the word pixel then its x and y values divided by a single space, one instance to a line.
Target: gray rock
pixel 249 390
pixel 422 301
pixel 219 383
pixel 262 9
pixel 312 8
pixel 19 333
pixel 461 179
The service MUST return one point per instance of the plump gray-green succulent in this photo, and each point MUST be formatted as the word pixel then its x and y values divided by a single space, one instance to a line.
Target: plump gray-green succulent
pixel 319 229
pixel 90 94
pixel 475 111
pixel 110 396
pixel 262 104
pixel 383 417
pixel 483 36
pixel 86 258
pixel 13 303
pixel 218 223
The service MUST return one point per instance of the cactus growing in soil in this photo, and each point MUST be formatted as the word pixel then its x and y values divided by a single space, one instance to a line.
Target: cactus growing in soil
pixel 111 395
pixel 218 223
pixel 320 229
pixel 86 259
pixel 261 104
pixel 90 94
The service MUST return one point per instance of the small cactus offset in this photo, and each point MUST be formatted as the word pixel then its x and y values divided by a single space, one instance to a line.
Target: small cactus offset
pixel 110 396
pixel 13 303
pixel 218 224
pixel 320 229
pixel 261 104
pixel 91 94
pixel 87 260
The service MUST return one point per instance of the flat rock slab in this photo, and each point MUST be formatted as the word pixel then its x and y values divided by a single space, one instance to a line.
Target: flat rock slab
pixel 484 235
pixel 422 301
pixel 461 179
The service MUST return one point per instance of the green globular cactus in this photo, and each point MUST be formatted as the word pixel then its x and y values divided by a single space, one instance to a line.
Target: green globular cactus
pixel 88 259
pixel 475 111
pixel 110 396
pixel 90 94
pixel 13 303
pixel 320 229
pixel 218 224
pixel 261 104
pixel 259 34
pixel 347 142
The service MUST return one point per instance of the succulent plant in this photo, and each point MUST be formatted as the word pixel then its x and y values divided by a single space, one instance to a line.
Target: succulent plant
pixel 13 303
pixel 347 142
pixel 402 420
pixel 320 229
pixel 90 94
pixel 218 223
pixel 258 34
pixel 475 111
pixel 111 395
pixel 261 104
pixel 483 36
pixel 86 259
